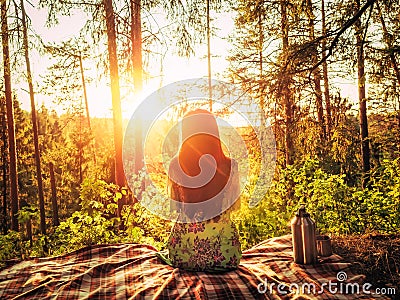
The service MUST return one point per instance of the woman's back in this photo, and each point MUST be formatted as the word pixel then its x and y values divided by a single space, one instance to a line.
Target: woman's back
pixel 208 245
pixel 204 187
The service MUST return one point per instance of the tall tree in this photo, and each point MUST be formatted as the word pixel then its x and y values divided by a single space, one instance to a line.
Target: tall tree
pixel 365 149
pixel 316 73
pixel 284 89
pixel 137 64
pixel 34 121
pixel 209 53
pixel 325 72
pixel 85 98
pixel 4 164
pixel 260 28
pixel 115 95
pixel 26 162
pixel 10 118
pixel 136 40
pixel 62 83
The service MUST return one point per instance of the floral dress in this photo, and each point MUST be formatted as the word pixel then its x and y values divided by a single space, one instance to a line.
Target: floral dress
pixel 212 245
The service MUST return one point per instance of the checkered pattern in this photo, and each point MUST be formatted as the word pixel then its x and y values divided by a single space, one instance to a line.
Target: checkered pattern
pixel 134 271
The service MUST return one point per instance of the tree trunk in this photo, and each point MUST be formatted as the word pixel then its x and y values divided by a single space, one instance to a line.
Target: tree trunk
pixel 209 55
pixel 285 81
pixel 316 73
pixel 325 76
pixel 10 119
pixel 136 37
pixel 260 56
pixel 84 91
pixel 56 220
pixel 4 162
pixel 365 150
pixel 115 94
pixel 80 149
pixel 34 123
pixel 86 104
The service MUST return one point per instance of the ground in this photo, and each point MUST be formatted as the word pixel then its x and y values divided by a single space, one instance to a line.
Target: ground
pixel 377 256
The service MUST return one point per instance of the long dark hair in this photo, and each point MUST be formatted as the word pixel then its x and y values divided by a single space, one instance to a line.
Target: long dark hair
pixel 200 136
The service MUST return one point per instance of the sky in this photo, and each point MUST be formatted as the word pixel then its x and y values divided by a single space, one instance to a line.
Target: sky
pixel 174 67
pixel 99 95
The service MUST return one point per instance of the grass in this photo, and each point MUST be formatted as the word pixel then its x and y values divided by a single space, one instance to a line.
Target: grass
pixel 375 255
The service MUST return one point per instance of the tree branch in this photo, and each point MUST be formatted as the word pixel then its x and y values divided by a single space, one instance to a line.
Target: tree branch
pixel 346 26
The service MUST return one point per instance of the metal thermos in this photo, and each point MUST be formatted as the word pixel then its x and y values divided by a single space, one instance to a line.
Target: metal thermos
pixel 297 237
pixel 309 240
pixel 304 238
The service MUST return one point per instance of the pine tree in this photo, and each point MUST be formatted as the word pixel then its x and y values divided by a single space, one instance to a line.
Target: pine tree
pixel 34 121
pixel 10 118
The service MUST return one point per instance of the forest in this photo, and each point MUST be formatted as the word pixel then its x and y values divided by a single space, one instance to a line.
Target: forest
pixel 326 74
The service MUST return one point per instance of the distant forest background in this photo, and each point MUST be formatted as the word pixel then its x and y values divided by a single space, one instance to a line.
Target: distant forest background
pixel 62 182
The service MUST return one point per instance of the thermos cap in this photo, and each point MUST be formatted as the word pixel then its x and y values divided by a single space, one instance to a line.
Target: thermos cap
pixel 302 211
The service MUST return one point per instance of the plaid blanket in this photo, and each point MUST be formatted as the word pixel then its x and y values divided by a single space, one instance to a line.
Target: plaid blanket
pixel 132 271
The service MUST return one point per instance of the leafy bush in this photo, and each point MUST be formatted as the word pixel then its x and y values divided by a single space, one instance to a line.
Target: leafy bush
pixel 96 222
pixel 335 206
pixel 12 246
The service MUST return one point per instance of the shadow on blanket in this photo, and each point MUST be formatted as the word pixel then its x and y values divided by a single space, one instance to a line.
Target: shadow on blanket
pixel 134 271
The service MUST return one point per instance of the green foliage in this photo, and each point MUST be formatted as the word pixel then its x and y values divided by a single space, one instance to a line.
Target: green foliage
pixel 14 245
pixel 336 207
pixel 11 245
pixel 96 221
pixel 339 208
pixel 150 228
pixel 27 213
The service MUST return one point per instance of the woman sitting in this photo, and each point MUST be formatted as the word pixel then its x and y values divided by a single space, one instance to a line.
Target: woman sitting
pixel 205 186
